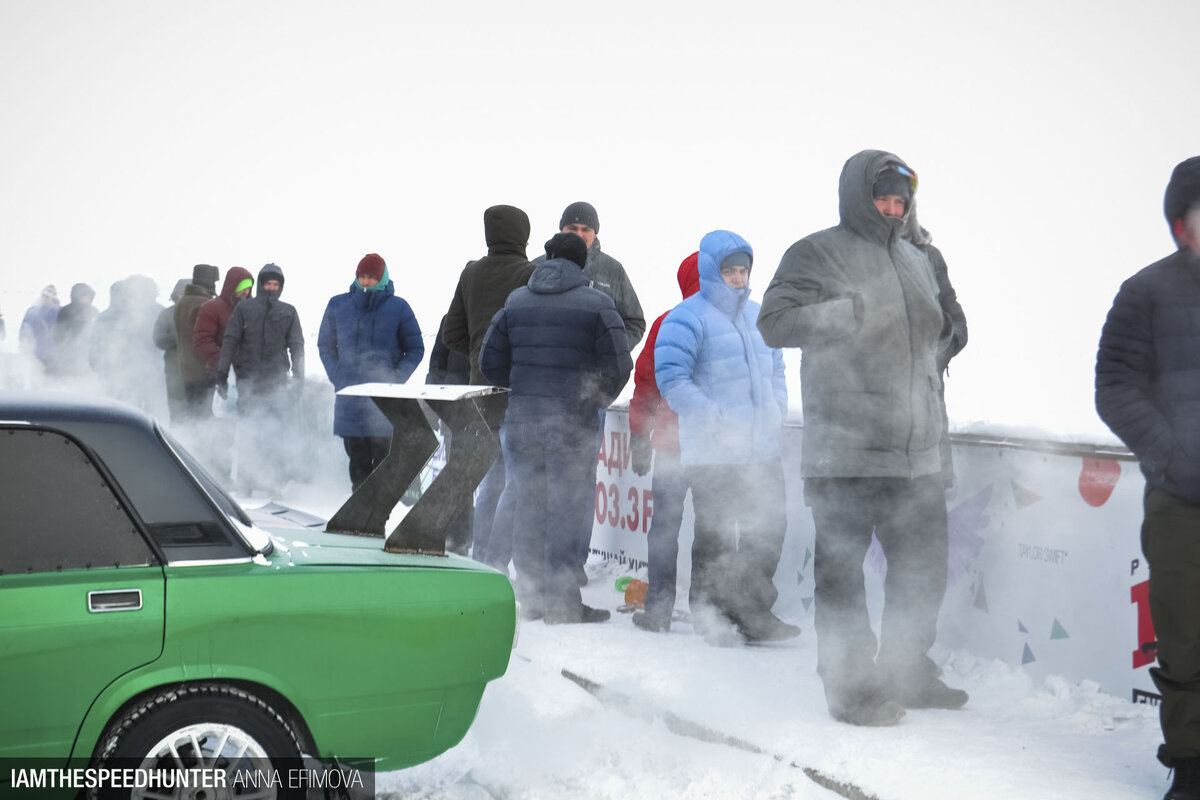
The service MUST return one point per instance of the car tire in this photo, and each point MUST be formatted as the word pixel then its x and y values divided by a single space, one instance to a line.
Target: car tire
pixel 163 730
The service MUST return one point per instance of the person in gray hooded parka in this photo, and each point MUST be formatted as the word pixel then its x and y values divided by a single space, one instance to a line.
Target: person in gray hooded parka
pixel 862 302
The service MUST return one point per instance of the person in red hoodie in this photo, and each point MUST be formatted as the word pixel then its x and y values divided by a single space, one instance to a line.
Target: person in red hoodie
pixel 654 428
pixel 214 315
pixel 214 445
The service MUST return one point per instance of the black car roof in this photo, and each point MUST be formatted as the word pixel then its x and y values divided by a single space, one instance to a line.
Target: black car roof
pixel 64 411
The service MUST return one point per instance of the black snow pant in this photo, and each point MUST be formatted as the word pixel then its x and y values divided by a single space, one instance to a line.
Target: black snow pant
pixel 551 464
pixel 669 489
pixel 366 453
pixel 741 520
pixel 909 519
pixel 198 399
pixel 1171 544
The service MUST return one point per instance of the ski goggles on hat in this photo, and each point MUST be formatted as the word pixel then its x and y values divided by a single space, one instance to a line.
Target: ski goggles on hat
pixel 908 173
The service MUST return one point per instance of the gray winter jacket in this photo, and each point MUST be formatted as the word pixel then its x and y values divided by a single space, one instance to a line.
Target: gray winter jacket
pixel 606 274
pixel 263 339
pixel 862 303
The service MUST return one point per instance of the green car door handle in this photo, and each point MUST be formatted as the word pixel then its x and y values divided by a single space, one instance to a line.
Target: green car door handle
pixel 115 600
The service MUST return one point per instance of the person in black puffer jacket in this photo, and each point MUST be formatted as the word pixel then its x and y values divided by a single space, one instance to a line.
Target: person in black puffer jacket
pixel 1148 392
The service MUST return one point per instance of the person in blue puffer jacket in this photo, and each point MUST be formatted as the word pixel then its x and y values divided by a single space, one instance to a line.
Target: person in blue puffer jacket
pixel 368 335
pixel 716 372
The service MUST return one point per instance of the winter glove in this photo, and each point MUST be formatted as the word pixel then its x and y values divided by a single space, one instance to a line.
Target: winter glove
pixel 642 453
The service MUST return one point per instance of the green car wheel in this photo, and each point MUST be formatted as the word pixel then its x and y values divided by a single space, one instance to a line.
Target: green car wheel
pixel 214 728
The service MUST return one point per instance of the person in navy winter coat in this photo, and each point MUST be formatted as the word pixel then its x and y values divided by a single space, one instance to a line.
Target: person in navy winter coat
pixel 561 349
pixel 716 372
pixel 367 335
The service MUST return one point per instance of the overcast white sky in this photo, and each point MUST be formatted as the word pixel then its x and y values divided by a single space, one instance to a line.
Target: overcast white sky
pixel 148 136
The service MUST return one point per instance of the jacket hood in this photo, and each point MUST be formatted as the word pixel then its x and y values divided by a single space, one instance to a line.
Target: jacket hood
pixel 912 230
pixel 138 290
pixel 506 230
pixel 856 206
pixel 714 247
pixel 555 276
pixel 373 296
pixel 689 275
pixel 176 293
pixel 80 291
pixel 269 272
pixel 233 277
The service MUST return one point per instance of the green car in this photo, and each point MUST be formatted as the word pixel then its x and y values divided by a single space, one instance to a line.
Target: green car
pixel 145 621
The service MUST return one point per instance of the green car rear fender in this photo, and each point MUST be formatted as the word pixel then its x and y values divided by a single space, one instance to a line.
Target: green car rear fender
pixel 380 662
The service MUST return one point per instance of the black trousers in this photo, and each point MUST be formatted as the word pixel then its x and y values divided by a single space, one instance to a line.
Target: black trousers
pixel 1171 544
pixel 909 519
pixel 741 520
pixel 198 399
pixel 365 454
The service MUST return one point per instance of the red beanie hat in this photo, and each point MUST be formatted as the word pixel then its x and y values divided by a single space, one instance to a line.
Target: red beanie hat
pixel 371 266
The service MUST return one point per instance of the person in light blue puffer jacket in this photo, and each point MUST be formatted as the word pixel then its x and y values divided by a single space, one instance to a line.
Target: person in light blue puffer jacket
pixel 716 372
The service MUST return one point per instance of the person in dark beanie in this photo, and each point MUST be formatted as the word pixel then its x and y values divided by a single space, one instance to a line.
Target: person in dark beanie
pixel 862 302
pixel 1147 392
pixel 264 342
pixel 72 329
pixel 483 287
pixel 198 381
pixel 602 270
pixel 560 348
pixel 368 335
pixel 608 275
pixel 167 340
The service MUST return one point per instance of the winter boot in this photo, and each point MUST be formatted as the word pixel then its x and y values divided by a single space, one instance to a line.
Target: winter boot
pixel 579 613
pixel 716 628
pixel 767 628
pixel 1186 785
pixel 932 694
pixel 872 709
pixel 530 611
pixel 650 621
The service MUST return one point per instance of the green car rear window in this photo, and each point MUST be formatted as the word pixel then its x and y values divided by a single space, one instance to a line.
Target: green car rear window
pixel 59 511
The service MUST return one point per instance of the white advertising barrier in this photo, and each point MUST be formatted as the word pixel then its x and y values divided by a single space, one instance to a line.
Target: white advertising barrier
pixel 1045 567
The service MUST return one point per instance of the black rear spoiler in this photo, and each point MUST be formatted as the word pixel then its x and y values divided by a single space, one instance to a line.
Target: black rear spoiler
pixel 472 413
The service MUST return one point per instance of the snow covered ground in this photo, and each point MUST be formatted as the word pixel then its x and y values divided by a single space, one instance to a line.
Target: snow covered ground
pixel 668 716
pixel 540 735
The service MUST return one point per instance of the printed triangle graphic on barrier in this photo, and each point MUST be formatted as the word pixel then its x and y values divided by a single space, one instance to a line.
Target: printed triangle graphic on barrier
pixel 1021 627
pixel 807 601
pixel 1027 656
pixel 1024 497
pixel 1057 631
pixel 981 598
